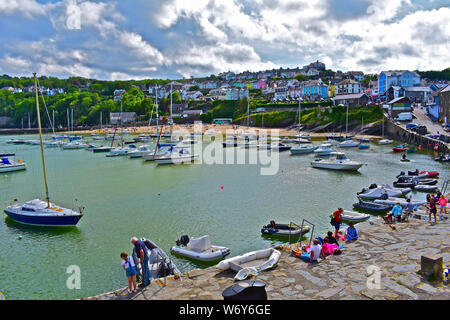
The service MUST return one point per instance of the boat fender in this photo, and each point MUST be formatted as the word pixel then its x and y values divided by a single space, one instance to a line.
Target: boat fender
pixel 18 160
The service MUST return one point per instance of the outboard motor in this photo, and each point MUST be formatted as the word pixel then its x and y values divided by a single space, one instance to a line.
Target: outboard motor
pixel 373 186
pixel 402 173
pixel 184 240
pixel 384 196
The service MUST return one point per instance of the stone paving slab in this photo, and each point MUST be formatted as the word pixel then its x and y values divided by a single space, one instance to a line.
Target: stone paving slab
pixel 395 252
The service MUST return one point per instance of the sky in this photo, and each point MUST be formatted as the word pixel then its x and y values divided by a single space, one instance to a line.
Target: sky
pixel 174 39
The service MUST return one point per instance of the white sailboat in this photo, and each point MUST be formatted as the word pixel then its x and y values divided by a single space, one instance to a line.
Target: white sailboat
pixel 38 212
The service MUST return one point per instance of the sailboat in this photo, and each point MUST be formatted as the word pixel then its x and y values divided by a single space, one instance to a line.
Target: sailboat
pixel 38 212
pixel 121 150
pixel 384 141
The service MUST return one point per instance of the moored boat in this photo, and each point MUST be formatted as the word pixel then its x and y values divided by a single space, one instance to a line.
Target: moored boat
pixel 199 249
pixel 340 162
pixel 302 149
pixel 6 165
pixel 372 207
pixel 279 229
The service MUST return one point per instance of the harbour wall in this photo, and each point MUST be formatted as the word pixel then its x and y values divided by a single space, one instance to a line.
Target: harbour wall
pixel 396 132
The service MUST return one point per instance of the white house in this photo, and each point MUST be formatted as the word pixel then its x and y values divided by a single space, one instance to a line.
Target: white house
pixel 348 86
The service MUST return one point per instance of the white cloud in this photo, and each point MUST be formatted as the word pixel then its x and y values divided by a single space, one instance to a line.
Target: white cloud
pixel 141 48
pixel 28 8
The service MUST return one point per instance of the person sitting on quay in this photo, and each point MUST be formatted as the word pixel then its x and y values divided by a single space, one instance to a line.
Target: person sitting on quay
pixel 396 213
pixel 329 249
pixel 408 210
pixel 351 234
pixel 330 238
pixel 314 252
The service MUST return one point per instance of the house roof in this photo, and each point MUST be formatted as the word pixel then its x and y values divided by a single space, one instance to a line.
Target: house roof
pixel 349 96
pixel 446 89
pixel 397 73
pixel 398 100
pixel 418 89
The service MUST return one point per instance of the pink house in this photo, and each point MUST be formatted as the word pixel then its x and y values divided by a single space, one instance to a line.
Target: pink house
pixel 261 84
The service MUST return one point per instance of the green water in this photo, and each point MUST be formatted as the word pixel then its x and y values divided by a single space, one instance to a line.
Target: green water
pixel 128 197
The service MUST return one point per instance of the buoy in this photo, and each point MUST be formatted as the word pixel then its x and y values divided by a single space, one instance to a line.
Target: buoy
pixel 221 187
pixel 19 237
pixel 159 194
pixel 420 147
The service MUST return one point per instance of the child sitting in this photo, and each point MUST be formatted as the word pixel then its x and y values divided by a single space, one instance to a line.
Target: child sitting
pixel 351 233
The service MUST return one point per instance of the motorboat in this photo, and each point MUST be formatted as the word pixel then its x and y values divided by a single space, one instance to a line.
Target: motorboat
pixel 352 216
pixel 121 151
pixel 324 150
pixel 365 140
pixel 274 146
pixel 38 212
pixel 363 146
pixel 199 249
pixel 259 260
pixel 112 136
pixel 162 150
pixel 340 162
pixel 302 149
pixel 429 174
pixel 400 148
pixel 443 158
pixel 279 229
pixel 385 142
pixel 176 156
pixel 101 149
pixel 332 142
pixel 6 165
pixel 295 140
pixel 402 201
pixel 372 207
pixel 348 144
pixel 160 265
pixel 140 151
pixel 75 145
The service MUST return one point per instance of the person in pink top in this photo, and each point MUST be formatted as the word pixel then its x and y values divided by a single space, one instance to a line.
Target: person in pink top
pixel 443 206
pixel 329 248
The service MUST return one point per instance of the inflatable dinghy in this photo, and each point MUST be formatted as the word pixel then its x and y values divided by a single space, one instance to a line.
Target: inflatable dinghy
pixel 200 249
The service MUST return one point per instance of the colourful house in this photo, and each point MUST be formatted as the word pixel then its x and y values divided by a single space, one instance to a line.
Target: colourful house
pixel 315 89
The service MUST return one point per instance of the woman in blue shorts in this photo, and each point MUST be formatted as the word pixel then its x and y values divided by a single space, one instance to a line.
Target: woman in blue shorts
pixel 130 268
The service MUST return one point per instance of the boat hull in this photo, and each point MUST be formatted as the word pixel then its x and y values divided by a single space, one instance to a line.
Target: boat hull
pixel 11 168
pixel 336 166
pixel 44 220
pixel 217 254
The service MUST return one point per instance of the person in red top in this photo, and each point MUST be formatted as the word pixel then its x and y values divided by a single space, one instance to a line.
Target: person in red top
pixel 337 220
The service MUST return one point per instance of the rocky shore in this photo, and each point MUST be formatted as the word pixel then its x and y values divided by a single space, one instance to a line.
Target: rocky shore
pixel 396 253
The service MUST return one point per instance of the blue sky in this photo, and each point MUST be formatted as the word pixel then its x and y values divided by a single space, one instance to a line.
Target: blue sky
pixel 137 39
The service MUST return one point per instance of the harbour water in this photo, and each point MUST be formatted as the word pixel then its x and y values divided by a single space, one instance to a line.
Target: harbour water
pixel 128 197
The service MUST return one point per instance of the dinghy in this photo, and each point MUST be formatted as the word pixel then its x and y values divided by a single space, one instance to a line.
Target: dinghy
pixel 260 260
pixel 352 216
pixel 425 188
pixel 402 201
pixel 372 207
pixel 160 264
pixel 278 229
pixel 199 249
pixel 379 192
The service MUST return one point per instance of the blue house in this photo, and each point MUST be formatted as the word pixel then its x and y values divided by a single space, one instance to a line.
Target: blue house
pixel 403 78
pixel 315 89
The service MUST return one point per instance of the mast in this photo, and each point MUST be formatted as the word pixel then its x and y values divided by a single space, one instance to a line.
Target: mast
pixel 299 115
pixel 72 123
pixel 248 112
pixel 121 123
pixel 29 123
pixel 171 118
pixel 157 115
pixel 101 124
pixel 346 122
pixel 40 138
pixel 53 116
pixel 68 123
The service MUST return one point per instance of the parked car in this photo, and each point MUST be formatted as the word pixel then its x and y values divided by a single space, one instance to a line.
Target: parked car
pixel 420 129
pixel 411 125
pixel 404 116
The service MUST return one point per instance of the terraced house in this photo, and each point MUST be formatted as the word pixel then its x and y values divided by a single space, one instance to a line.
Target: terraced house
pixel 315 90
pixel 403 78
